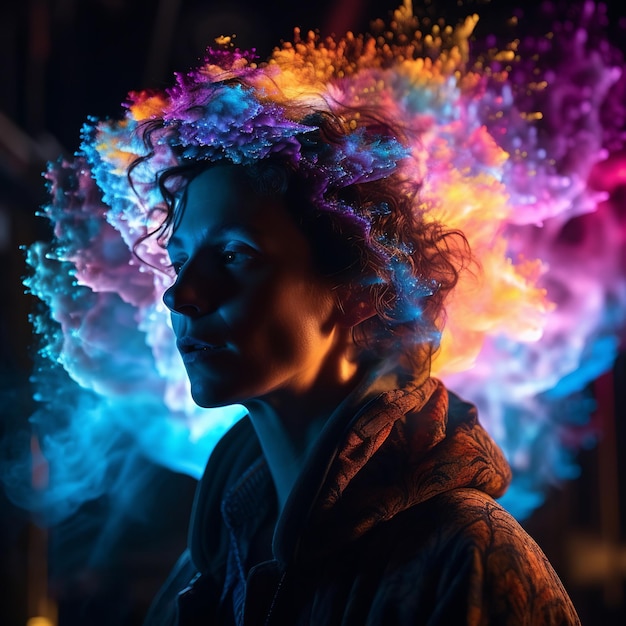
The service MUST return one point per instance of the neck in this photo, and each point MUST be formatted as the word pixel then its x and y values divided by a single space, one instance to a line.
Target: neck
pixel 289 426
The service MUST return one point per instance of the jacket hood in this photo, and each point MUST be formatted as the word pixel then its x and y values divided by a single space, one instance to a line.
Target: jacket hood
pixel 404 447
pixel 392 444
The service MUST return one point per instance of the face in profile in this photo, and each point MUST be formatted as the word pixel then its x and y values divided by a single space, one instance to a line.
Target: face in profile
pixel 252 315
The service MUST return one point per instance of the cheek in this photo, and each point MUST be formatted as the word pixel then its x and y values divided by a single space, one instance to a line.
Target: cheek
pixel 285 322
pixel 303 319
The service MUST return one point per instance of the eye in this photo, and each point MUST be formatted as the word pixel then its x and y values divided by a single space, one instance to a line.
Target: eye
pixel 230 256
pixel 237 254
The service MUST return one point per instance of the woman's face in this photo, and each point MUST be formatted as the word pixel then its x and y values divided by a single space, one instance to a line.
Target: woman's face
pixel 252 315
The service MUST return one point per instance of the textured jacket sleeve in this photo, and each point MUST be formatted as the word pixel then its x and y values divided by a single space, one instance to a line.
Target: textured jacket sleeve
pixel 479 568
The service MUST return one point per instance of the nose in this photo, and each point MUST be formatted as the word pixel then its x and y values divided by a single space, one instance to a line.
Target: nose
pixel 176 304
pixel 191 295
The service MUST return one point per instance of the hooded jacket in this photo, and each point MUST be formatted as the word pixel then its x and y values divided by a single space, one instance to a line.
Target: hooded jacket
pixel 392 522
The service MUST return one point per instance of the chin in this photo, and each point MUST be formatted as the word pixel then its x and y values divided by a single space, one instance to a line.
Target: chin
pixel 209 401
pixel 211 398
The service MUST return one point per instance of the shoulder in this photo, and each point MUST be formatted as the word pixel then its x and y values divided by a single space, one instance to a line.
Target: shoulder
pixel 484 562
pixel 163 610
pixel 467 522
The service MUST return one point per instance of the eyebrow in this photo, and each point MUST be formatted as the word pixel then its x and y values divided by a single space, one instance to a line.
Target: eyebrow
pixel 226 229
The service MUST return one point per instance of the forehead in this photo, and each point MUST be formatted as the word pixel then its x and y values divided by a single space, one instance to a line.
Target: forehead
pixel 222 199
pixel 221 192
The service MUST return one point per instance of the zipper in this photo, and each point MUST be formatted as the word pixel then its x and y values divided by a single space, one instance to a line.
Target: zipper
pixel 276 594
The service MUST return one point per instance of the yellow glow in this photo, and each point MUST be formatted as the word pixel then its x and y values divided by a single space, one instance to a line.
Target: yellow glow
pixel 536 115
pixel 146 108
pixel 39 621
pixel 505 55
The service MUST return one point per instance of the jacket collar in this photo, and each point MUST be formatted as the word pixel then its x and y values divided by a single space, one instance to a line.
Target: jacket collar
pixel 394 442
pixel 403 446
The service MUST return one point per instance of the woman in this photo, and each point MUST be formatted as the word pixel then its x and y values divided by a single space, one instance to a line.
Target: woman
pixel 309 287
pixel 322 214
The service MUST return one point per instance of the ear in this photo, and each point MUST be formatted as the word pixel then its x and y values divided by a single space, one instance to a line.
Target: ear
pixel 354 305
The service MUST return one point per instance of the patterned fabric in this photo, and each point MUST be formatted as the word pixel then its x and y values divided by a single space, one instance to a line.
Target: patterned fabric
pixel 395 526
pixel 245 507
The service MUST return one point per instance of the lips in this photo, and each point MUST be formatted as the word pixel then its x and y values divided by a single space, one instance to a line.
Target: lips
pixel 189 345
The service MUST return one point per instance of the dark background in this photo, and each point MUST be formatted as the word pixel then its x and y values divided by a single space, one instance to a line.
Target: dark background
pixel 61 60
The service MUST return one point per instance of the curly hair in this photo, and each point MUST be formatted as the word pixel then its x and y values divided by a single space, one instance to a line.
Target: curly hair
pixel 373 234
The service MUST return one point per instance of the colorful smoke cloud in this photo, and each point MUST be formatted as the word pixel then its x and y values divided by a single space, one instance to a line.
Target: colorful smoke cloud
pixel 523 150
